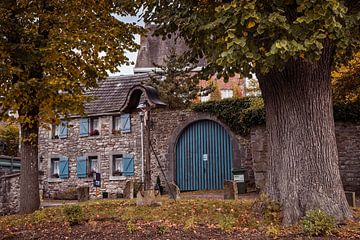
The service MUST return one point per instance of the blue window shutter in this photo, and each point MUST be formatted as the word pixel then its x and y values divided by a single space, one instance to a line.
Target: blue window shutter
pixel 128 165
pixel 125 123
pixel 64 167
pixel 84 127
pixel 63 130
pixel 81 167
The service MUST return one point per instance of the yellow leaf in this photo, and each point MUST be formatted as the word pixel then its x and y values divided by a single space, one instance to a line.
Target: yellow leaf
pixel 250 24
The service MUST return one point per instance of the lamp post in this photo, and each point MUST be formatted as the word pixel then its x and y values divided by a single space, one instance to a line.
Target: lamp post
pixel 141 114
pixel 144 108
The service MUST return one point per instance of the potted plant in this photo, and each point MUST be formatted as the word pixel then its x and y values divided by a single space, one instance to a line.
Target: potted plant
pixel 117 173
pixel 55 175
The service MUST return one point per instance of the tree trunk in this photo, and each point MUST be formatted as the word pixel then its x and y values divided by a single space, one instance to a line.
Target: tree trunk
pixel 29 180
pixel 303 171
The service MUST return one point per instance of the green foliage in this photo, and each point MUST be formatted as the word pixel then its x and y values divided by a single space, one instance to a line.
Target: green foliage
pixel 243 114
pixel 227 223
pixel 131 227
pixel 190 223
pixel 257 36
pixel 239 114
pixel 73 214
pixel 273 231
pixel 9 134
pixel 180 86
pixel 52 51
pixel 317 223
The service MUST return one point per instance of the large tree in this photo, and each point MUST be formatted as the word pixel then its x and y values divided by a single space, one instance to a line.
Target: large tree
pixel 51 51
pixel 292 46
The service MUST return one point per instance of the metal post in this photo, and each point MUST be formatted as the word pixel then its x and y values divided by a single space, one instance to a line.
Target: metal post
pixel 147 153
pixel 142 145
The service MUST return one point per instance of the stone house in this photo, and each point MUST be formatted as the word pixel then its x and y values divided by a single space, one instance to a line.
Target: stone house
pixel 195 150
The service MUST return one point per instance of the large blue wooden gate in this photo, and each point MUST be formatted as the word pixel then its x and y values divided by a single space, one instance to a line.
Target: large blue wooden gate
pixel 203 156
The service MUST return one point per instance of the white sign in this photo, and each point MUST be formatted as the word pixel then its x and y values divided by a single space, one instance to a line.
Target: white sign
pixel 239 178
pixel 205 157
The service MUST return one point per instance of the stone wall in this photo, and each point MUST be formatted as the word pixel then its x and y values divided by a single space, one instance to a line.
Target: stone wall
pixel 165 128
pixel 348 144
pixel 9 193
pixel 103 146
pixel 250 152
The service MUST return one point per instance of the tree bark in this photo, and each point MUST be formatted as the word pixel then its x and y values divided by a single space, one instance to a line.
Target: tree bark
pixel 29 180
pixel 303 171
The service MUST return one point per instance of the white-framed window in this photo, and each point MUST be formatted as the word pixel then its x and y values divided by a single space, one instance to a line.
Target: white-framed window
pixel 117 165
pixel 205 98
pixel 55 167
pixel 122 123
pixel 86 166
pixel 60 130
pixel 226 93
pixel 93 163
pixel 89 126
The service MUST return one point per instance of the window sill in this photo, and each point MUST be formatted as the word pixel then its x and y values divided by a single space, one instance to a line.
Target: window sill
pixel 54 180
pixel 90 137
pixel 117 178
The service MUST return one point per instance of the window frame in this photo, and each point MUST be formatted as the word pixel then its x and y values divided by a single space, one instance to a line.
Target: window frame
pixel 94 130
pixel 225 93
pixel 52 169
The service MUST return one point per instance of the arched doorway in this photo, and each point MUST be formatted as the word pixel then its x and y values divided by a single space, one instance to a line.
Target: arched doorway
pixel 203 157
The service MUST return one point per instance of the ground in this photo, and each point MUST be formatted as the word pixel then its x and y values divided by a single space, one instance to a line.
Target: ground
pixel 187 218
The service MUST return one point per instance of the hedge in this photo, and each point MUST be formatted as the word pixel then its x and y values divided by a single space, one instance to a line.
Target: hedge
pixel 244 113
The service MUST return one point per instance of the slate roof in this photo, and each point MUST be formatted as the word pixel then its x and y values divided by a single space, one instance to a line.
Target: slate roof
pixel 153 49
pixel 111 93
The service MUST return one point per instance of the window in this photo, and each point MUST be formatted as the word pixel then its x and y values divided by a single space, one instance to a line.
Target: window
pixel 117 165
pixel 122 123
pixel 123 165
pixel 94 126
pixel 205 98
pixel 93 164
pixel 59 167
pixel 60 131
pixel 89 127
pixel 55 167
pixel 226 93
pixel 86 166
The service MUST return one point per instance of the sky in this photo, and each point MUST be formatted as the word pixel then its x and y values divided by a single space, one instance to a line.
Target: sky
pixel 128 70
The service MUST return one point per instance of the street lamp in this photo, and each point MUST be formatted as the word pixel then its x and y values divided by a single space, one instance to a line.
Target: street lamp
pixel 144 114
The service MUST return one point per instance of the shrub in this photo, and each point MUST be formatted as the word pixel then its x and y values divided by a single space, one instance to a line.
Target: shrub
pixel 73 214
pixel 317 223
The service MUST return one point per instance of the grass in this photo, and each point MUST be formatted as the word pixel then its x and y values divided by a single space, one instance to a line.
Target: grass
pixel 231 215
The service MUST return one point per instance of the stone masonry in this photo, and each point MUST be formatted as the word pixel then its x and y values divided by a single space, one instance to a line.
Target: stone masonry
pixel 348 144
pixel 163 125
pixel 251 151
pixel 9 193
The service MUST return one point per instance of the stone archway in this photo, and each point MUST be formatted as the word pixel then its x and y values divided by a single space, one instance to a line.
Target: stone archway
pixel 176 134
